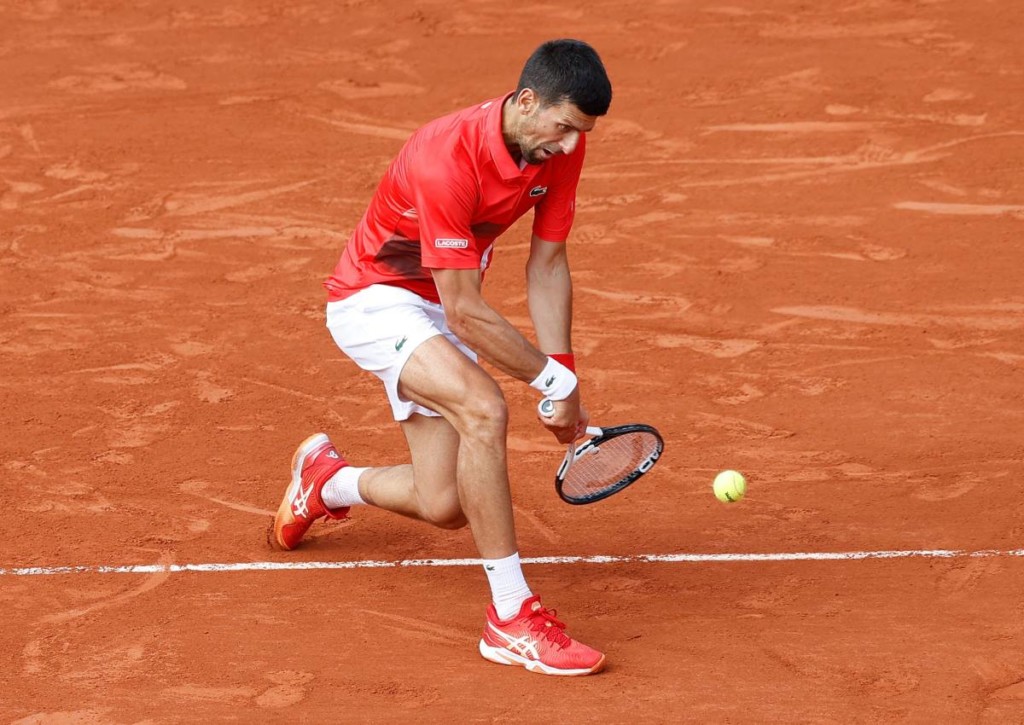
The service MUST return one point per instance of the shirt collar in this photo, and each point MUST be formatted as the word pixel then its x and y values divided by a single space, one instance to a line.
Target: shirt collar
pixel 503 161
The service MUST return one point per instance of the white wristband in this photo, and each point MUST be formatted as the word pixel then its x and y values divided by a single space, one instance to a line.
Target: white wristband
pixel 555 381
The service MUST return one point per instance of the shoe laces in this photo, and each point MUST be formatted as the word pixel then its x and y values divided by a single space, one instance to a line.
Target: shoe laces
pixel 545 624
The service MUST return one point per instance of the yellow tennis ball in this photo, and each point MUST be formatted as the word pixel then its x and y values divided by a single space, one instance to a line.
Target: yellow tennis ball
pixel 730 486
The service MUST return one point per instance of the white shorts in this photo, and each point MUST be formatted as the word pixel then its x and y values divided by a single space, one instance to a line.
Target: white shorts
pixel 379 328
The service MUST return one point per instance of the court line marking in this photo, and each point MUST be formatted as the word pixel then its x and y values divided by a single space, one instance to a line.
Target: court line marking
pixel 597 559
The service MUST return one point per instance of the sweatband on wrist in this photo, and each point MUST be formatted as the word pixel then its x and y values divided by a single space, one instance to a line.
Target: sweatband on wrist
pixel 556 381
pixel 566 358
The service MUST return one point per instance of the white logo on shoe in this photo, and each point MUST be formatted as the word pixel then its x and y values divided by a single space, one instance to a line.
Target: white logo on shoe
pixel 523 646
pixel 301 498
pixel 333 454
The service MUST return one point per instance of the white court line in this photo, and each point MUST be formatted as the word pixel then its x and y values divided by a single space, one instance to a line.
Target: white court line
pixel 636 559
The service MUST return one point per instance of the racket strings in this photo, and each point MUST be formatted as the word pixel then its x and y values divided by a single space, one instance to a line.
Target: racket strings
pixel 607 465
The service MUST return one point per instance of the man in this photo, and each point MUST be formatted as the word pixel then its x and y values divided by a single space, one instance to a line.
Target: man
pixel 405 303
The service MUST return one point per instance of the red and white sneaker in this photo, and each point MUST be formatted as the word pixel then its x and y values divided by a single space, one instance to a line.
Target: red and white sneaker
pixel 536 640
pixel 313 464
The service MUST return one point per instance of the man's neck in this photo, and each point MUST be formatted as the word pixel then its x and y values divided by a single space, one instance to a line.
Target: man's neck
pixel 508 129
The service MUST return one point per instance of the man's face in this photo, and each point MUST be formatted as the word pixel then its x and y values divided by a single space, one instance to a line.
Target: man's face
pixel 546 131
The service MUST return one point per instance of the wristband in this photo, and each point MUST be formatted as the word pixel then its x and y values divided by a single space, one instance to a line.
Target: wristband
pixel 566 358
pixel 556 381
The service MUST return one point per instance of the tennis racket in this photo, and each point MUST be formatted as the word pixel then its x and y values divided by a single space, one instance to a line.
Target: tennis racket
pixel 609 461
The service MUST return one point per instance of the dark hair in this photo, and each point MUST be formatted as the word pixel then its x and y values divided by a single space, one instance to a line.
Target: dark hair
pixel 568 70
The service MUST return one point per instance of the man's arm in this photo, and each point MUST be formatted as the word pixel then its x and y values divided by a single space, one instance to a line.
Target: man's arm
pixel 496 340
pixel 484 330
pixel 549 295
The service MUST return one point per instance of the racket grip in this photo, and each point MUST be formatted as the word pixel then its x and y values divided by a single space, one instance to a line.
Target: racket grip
pixel 547 409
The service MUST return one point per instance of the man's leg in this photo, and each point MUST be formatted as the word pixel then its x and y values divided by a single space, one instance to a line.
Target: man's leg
pixel 426 489
pixel 438 376
pixel 324 484
pixel 429 489
pixel 526 634
pixel 459 467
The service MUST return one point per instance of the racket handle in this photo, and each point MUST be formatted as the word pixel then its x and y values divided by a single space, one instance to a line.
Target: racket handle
pixel 547 409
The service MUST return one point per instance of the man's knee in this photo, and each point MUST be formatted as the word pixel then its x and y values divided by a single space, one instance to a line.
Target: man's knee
pixel 485 415
pixel 452 521
pixel 444 513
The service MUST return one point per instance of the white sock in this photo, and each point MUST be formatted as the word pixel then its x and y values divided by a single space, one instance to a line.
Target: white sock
pixel 508 586
pixel 343 489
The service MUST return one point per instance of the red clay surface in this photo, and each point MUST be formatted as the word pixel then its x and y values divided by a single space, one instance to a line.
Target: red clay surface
pixel 798 253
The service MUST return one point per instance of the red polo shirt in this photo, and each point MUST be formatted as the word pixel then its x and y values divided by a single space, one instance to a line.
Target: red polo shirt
pixel 450 192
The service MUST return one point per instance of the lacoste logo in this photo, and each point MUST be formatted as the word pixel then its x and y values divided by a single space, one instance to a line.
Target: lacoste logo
pixel 451 243
pixel 547 383
pixel 488 568
pixel 538 190
pixel 400 344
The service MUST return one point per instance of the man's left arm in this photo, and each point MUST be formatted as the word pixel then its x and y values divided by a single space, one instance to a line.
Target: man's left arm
pixel 548 283
pixel 549 295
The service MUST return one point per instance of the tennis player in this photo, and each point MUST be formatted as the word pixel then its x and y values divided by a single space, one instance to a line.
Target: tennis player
pixel 405 303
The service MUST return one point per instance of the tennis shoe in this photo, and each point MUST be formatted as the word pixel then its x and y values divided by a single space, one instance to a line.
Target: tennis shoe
pixel 315 461
pixel 536 639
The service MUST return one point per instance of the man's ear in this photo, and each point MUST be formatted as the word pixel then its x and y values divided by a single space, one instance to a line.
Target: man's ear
pixel 526 101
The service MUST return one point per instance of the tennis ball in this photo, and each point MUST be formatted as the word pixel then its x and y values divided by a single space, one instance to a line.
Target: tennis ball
pixel 730 486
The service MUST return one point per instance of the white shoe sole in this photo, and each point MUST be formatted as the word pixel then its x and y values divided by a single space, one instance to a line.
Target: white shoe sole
pixel 503 656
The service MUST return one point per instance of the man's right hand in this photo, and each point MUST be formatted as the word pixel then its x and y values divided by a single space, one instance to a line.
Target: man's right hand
pixel 569 420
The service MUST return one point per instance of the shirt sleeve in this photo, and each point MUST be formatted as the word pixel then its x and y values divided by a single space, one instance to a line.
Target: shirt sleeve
pixel 445 195
pixel 553 216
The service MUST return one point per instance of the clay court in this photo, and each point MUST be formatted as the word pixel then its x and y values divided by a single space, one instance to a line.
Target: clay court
pixel 797 253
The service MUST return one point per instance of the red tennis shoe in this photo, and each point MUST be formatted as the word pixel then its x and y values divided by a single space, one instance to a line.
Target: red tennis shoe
pixel 536 640
pixel 315 461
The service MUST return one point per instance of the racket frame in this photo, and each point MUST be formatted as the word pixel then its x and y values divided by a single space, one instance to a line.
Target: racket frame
pixel 599 436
